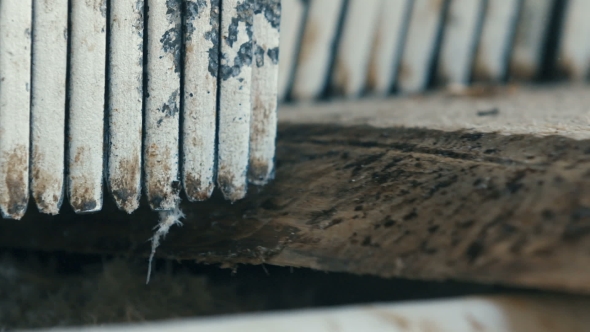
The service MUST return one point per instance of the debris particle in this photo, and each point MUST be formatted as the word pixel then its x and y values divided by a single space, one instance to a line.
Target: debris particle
pixel 490 112
pixel 167 220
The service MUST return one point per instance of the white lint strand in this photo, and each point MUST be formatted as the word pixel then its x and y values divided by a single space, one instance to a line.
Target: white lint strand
pixel 166 220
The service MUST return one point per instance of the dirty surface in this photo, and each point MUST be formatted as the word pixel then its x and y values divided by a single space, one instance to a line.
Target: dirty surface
pixel 50 290
pixel 390 202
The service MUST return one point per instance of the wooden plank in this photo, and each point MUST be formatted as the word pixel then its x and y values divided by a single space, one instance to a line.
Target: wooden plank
pixel 265 75
pixel 15 84
pixel 574 52
pixel 421 41
pixel 201 66
pixel 87 104
pixel 354 49
pixel 292 19
pixel 503 202
pixel 530 38
pixel 48 100
pixel 125 103
pixel 164 40
pixel 235 92
pixel 316 50
pixel 388 46
pixel 491 61
pixel 461 34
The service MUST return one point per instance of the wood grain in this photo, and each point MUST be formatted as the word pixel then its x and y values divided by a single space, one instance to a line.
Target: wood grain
pixel 414 203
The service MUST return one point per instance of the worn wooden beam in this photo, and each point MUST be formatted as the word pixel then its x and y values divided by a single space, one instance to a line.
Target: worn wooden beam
pixel 472 205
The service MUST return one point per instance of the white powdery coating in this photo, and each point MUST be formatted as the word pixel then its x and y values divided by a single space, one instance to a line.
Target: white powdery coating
pixel 419 50
pixel 574 52
pixel 15 73
pixel 87 87
pixel 316 48
pixel 387 45
pixel 354 51
pixel 48 97
pixel 460 41
pixel 200 98
pixel 234 103
pixel 265 72
pixel 125 102
pixel 498 28
pixel 162 104
pixel 292 18
pixel 530 38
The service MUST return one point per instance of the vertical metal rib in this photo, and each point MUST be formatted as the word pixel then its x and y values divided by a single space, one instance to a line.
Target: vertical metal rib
pixel 354 51
pixel 387 45
pixel 491 60
pixel 574 51
pixel 316 48
pixel 530 38
pixel 48 98
pixel 292 19
pixel 87 104
pixel 15 85
pixel 265 75
pixel 460 41
pixel 420 47
pixel 235 91
pixel 161 144
pixel 125 102
pixel 201 66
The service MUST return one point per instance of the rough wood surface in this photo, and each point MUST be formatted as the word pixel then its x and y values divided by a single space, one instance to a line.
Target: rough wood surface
pixel 412 203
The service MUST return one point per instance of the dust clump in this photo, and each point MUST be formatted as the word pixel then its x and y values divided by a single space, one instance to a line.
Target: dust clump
pixel 167 220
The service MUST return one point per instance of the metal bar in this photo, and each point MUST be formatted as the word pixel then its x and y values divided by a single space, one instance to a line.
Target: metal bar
pixel 48 101
pixel 161 146
pixel 201 66
pixel 235 92
pixel 459 42
pixel 354 50
pixel 292 19
pixel 265 75
pixel 15 74
pixel 387 45
pixel 421 41
pixel 125 104
pixel 574 51
pixel 491 61
pixel 87 104
pixel 530 38
pixel 316 50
